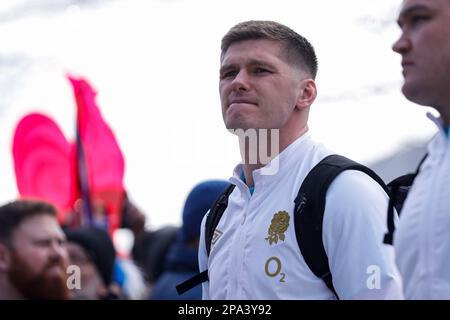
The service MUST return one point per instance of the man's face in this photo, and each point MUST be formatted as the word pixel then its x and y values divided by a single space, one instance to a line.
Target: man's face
pixel 91 283
pixel 258 88
pixel 39 259
pixel 425 49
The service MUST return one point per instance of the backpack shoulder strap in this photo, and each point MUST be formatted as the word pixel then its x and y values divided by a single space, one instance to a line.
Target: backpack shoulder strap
pixel 309 210
pixel 215 214
pixel 212 220
pixel 398 191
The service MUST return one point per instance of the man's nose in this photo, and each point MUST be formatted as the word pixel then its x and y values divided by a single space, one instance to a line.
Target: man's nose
pixel 402 45
pixel 58 250
pixel 241 82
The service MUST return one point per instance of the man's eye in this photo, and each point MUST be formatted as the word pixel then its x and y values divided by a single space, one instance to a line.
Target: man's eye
pixel 261 70
pixel 228 74
pixel 418 18
pixel 43 243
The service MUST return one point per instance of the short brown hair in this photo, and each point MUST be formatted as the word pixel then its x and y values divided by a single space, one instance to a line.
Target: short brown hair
pixel 14 213
pixel 297 48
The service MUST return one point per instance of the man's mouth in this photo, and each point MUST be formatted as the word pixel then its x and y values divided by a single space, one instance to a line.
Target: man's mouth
pixel 241 101
pixel 407 63
pixel 55 268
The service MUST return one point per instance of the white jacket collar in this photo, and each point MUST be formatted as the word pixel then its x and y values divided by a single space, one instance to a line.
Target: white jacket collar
pixel 277 167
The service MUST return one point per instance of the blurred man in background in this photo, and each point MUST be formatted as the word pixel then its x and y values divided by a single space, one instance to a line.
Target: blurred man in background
pixel 150 247
pixel 33 256
pixel 181 262
pixel 422 241
pixel 93 252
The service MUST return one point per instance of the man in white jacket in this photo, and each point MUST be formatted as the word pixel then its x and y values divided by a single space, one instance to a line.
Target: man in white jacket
pixel 266 88
pixel 422 240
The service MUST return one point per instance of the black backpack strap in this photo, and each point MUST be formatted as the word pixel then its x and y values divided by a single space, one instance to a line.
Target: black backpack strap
pixel 309 210
pixel 398 191
pixel 212 220
pixel 192 282
pixel 215 214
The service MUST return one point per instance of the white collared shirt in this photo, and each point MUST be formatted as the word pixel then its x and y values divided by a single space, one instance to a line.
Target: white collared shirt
pixel 243 264
pixel 422 239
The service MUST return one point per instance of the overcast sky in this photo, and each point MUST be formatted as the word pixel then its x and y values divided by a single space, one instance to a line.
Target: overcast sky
pixel 155 66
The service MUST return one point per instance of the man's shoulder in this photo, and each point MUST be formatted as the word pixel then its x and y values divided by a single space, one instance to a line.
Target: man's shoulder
pixel 353 183
pixel 354 202
pixel 355 194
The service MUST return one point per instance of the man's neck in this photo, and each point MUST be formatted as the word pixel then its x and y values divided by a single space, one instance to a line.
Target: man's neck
pixel 445 118
pixel 250 166
pixel 445 121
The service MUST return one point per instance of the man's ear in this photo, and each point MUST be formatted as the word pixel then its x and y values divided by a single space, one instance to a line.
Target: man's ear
pixel 5 258
pixel 308 93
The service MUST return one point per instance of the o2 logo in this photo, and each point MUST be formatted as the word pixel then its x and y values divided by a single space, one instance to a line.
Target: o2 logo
pixel 273 268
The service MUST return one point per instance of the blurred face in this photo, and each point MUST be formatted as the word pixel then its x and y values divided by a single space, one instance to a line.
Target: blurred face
pixel 258 88
pixel 91 283
pixel 39 259
pixel 424 45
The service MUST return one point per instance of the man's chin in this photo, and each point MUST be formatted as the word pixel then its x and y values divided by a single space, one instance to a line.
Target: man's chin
pixel 416 94
pixel 52 286
pixel 234 126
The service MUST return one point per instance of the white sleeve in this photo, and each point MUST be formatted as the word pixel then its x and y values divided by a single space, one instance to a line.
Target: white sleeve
pixel 353 229
pixel 203 258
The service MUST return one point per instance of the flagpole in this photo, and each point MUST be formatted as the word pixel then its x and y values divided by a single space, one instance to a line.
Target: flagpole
pixel 83 184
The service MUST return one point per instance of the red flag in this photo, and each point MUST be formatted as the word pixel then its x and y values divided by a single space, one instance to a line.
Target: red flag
pixel 104 160
pixel 43 162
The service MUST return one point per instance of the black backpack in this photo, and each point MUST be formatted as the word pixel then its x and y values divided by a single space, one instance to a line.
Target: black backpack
pixel 398 191
pixel 308 217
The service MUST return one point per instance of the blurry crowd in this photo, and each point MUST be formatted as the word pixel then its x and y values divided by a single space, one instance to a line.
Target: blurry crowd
pixel 42 259
pixel 57 238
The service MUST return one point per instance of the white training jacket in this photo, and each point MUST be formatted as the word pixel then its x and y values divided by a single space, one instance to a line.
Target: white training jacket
pixel 243 264
pixel 422 239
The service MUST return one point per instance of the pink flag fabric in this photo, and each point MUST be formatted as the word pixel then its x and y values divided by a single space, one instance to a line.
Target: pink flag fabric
pixel 104 160
pixel 43 162
pixel 46 163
